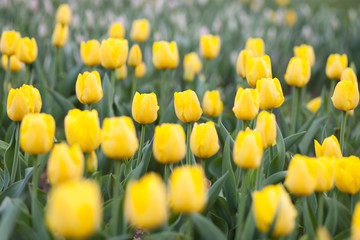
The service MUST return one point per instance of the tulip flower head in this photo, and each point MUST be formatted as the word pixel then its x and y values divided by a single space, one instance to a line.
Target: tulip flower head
pixel 270 93
pixel 27 50
pixel 355 224
pixel 329 148
pixel 140 70
pixel 63 14
pixel 187 106
pixel 121 72
pixel 165 55
pixel 90 52
pixel 140 30
pixel 145 108
pixel 255 47
pixel 314 104
pixel 266 126
pixel 60 35
pixel 246 104
pixel 8 43
pixel 257 68
pixel 212 103
pixel 349 74
pixel 15 64
pixel 347 175
pixel 325 174
pixel 210 46
pixel 298 72
pixel 305 51
pixel 113 52
pixel 135 56
pixel 241 63
pixel 116 30
pixel 88 87
pixel 346 95
pixel 204 140
pixel 335 65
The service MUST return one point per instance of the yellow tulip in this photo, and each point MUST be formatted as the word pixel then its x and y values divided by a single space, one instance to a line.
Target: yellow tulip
pixel 165 55
pixel 140 70
pixel 322 233
pixel 298 72
pixel 350 113
pixel 241 63
pixel 212 103
pixel 135 56
pixel 121 72
pixel 65 163
pixel 169 143
pixel 329 148
pixel 282 2
pixel 116 30
pixel 113 52
pixel 27 50
pixel 88 87
pixel 92 162
pixel 349 74
pixel 270 93
pixel 15 64
pixel 90 52
pixel 119 138
pixel 187 106
pixel 246 104
pixel 255 47
pixel 187 189
pixel 355 224
pixel 140 30
pixel 83 128
pixel 63 14
pixel 22 101
pixel 8 43
pixel 325 174
pixel 204 140
pixel 145 204
pixel 145 108
pixel 60 35
pixel 301 178
pixel 305 51
pixel 210 46
pixel 346 95
pixel 314 104
pixel 347 175
pixel 257 68
pixel 273 202
pixel 266 126
pixel 192 63
pixel 290 17
pixel 335 65
pixel 74 209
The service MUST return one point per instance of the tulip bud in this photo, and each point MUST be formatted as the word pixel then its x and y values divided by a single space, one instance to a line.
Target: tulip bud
pixel 305 51
pixel 314 104
pixel 8 42
pixel 145 108
pixel 290 17
pixel 116 30
pixel 329 148
pixel 335 65
pixel 348 74
pixel 92 162
pixel 266 126
pixel 241 63
pixel 346 95
pixel 192 63
pixel 347 175
pixel 204 140
pixel 355 224
pixel 210 46
pixel 140 70
pixel 83 128
pixel 301 176
pixel 113 52
pixel 189 75
pixel 135 56
pixel 121 72
pixel 119 138
pixel 270 93
pixel 165 55
pixel 212 103
pixel 88 87
pixel 325 174
pixel 187 106
pixel 255 47
pixel 350 113
pixel 60 35
pixel 22 101
pixel 187 189
pixel 274 203
pixel 63 14
pixel 298 72
pixel 15 64
pixel 74 209
pixel 27 50
pixel 90 52
pixel 65 163
pixel 140 30
pixel 282 2
pixel 146 202
pixel 257 68
pixel 246 104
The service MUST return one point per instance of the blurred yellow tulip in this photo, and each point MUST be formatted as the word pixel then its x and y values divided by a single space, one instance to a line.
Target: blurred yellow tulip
pixel 187 106
pixel 257 68
pixel 113 52
pixel 290 17
pixel 266 126
pixel 298 72
pixel 140 70
pixel 329 148
pixel 165 55
pixel 347 175
pixel 90 52
pixel 204 140
pixel 15 64
pixel 212 103
pixel 27 50
pixel 210 46
pixel 349 74
pixel 314 104
pixel 335 65
pixel 8 43
pixel 135 56
pixel 60 35
pixel 92 162
pixel 305 51
pixel 192 63
pixel 246 104
pixel 140 30
pixel 355 223
pixel 255 47
pixel 121 72
pixel 325 177
pixel 346 95
pixel 116 30
pixel 88 87
pixel 145 108
pixel 241 63
pixel 63 14
pixel 270 93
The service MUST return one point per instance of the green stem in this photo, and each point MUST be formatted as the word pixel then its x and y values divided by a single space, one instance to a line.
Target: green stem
pixel 189 228
pixel 167 171
pixel 162 96
pixel 342 130
pixel 244 124
pixel 133 86
pixel 112 86
pixel 320 208
pixel 116 199
pixel 242 204
pixel 203 164
pixel 55 68
pixel 5 91
pixel 16 154
pixel 35 179
pixel 188 149
pixel 142 138
pixel 27 74
pixel 259 177
pixel 295 106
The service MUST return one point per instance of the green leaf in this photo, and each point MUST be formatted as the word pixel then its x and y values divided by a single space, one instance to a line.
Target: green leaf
pixel 206 228
pixel 162 236
pixel 215 167
pixel 8 159
pixel 249 226
pixel 63 102
pixel 24 231
pixel 18 187
pixel 214 191
pixel 293 139
pixel 343 235
pixel 275 178
pixel 278 163
pixel 105 106
pixel 339 216
pixel 309 224
pixel 223 133
pixel 10 210
pixel 310 134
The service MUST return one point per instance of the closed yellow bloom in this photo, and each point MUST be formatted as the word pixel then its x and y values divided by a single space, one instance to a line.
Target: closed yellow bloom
pixel 116 30
pixel 187 106
pixel 145 204
pixel 347 175
pixel 270 203
pixel 92 162
pixel 192 63
pixel 140 30
pixel 189 75
pixel 212 103
pixel 257 68
pixel 305 51
pixel 135 56
pixel 270 93
pixel 113 52
pixel 325 177
pixel 8 42
pixel 322 233
pixel 210 46
pixel 22 101
pixel 15 64
pixel 290 17
pixel 63 14
pixel 121 72
pixel 145 108
pixel 350 113
pixel 355 224
pixel 246 104
pixel 60 35
pixel 301 178
pixel 349 74
pixel 204 140
pixel 37 133
pixel 165 55
pixel 88 87
pixel 90 52
pixel 255 47
pixel 329 148
pixel 241 63
pixel 346 95
pixel 169 143
pixel 83 128
pixel 65 163
pixel 314 104
pixel 140 70
pixel 27 50
pixel 266 126
pixel 74 209
pixel 335 65
pixel 119 138
pixel 298 72
pixel 187 189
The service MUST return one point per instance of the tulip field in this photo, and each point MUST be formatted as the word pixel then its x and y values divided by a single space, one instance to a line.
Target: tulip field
pixel 179 119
